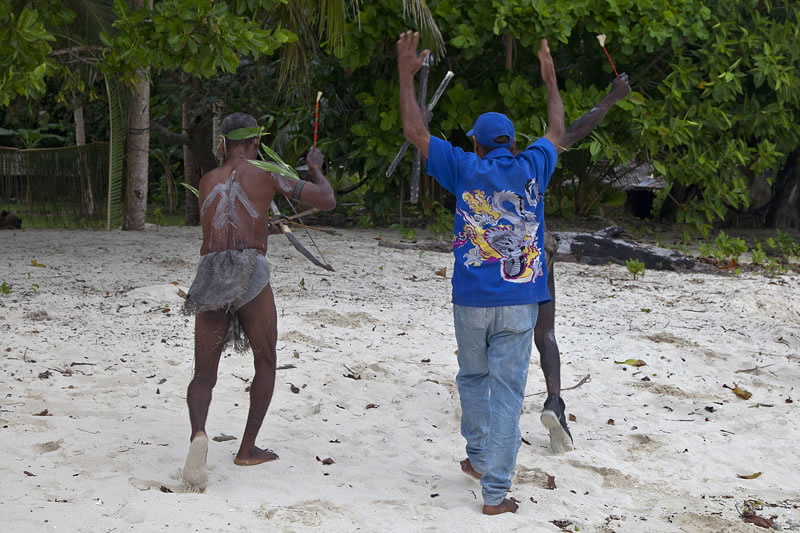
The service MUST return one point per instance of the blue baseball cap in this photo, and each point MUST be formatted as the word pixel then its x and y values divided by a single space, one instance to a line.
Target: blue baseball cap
pixel 489 127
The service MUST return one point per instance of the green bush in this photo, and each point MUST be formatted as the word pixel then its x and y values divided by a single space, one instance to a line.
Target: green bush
pixel 728 248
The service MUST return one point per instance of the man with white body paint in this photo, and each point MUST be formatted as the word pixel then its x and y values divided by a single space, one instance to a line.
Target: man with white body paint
pixel 231 296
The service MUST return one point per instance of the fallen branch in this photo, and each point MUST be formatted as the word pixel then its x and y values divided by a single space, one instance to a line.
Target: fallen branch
pixel 586 379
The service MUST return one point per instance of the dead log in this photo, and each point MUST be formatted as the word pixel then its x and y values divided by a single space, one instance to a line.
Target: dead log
pixel 605 246
pixel 598 248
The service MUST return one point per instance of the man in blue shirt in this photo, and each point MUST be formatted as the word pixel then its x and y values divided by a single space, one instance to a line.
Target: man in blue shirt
pixel 500 274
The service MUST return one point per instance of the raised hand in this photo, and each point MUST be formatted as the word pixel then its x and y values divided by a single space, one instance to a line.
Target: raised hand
pixel 315 158
pixel 408 62
pixel 620 87
pixel 546 64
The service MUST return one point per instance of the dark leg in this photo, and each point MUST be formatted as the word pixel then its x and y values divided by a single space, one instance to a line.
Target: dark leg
pixel 259 320
pixel 553 415
pixel 544 336
pixel 211 328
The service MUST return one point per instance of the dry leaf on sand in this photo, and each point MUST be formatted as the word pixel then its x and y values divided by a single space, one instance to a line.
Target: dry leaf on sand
pixel 751 476
pixel 740 392
pixel 631 362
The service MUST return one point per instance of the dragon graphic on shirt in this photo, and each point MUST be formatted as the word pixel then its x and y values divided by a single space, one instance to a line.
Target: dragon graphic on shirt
pixel 501 229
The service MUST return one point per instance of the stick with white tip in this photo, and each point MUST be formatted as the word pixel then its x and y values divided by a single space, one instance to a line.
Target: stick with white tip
pixel 316 117
pixel 602 40
pixel 434 100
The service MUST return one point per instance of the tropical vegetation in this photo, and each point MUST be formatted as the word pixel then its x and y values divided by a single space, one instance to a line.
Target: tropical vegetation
pixel 714 109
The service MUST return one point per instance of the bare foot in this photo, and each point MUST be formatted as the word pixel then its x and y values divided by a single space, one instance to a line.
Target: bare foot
pixel 195 474
pixel 506 506
pixel 255 457
pixel 467 468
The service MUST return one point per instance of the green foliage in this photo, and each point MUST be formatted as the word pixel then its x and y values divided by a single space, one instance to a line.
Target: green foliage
pixel 277 164
pixel 635 267
pixel 5 288
pixel 116 145
pixel 25 49
pixel 442 223
pixel 774 268
pixel 42 136
pixel 201 37
pixel 758 255
pixel 785 244
pixel 406 232
pixel 728 248
pixel 191 188
pixel 244 133
pixel 712 105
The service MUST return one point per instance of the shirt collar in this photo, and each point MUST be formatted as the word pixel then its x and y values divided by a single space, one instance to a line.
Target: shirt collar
pixel 498 152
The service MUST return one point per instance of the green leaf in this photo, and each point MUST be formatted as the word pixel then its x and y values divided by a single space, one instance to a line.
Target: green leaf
pixel 273 167
pixel 245 133
pixel 194 190
pixel 277 165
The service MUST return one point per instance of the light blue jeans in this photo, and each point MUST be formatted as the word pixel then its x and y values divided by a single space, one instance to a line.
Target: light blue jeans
pixel 494 350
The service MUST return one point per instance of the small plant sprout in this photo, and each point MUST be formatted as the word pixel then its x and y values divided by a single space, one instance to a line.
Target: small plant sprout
pixel 758 255
pixel 635 267
pixel 729 248
pixel 4 288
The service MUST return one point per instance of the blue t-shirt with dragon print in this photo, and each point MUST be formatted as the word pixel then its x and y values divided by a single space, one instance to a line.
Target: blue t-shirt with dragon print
pixel 498 235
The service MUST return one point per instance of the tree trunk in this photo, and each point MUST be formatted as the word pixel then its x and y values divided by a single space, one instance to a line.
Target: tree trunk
pixel 215 129
pixel 170 179
pixel 191 171
pixel 87 197
pixel 80 130
pixel 138 148
pixel 785 211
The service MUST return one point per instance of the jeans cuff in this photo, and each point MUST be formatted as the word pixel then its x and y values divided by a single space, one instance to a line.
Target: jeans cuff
pixel 492 499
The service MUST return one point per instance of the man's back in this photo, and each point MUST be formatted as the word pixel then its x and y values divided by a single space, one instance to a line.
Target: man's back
pixel 234 206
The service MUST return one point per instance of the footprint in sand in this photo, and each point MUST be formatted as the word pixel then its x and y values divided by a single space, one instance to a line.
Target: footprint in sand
pixel 50 446
pixel 342 320
pixel 307 513
pixel 153 484
pixel 612 478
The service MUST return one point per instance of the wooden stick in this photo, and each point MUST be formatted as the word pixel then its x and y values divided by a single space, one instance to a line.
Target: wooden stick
pixel 328 231
pixel 586 379
pixel 316 117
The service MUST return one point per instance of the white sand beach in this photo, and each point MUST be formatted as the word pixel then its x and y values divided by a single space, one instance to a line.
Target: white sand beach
pixel 96 357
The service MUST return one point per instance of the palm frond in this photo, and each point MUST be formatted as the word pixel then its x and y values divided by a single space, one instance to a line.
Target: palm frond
pixel 277 164
pixel 423 18
pixel 299 16
pixel 117 111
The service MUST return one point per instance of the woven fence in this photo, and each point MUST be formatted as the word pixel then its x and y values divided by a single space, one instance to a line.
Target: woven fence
pixel 56 187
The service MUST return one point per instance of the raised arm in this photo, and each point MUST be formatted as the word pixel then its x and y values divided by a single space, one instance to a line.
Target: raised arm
pixel 319 192
pixel 555 109
pixel 316 191
pixel 408 63
pixel 584 125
